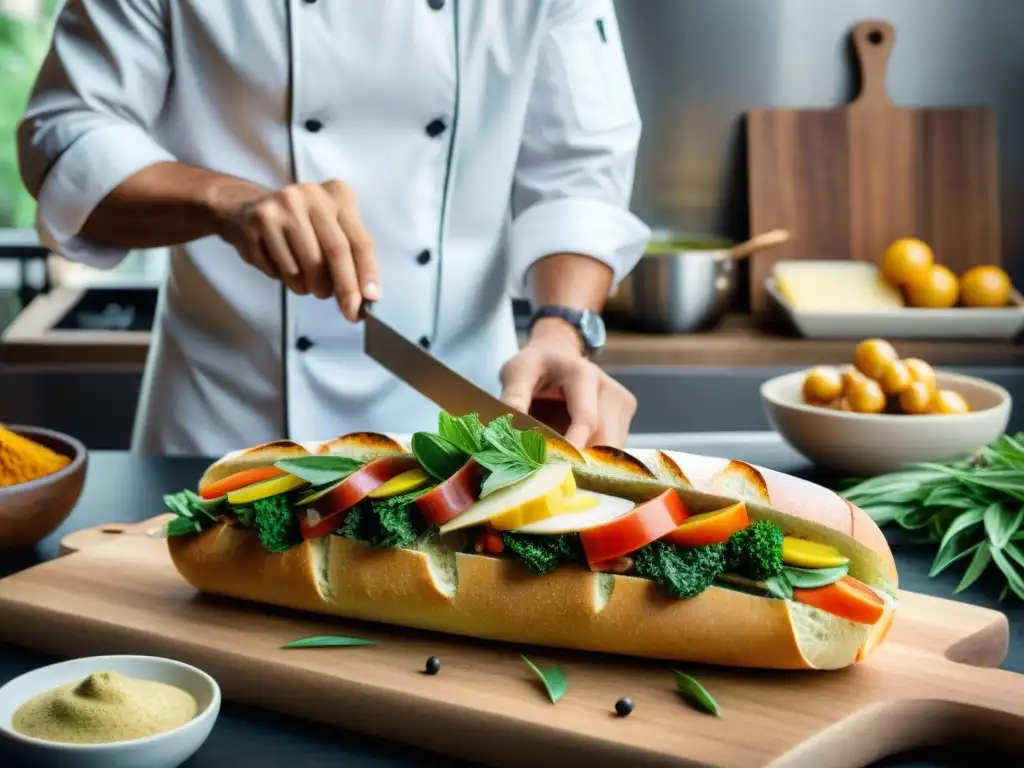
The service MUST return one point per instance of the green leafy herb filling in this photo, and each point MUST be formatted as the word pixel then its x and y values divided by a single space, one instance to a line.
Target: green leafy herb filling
pixel 384 523
pixel 541 554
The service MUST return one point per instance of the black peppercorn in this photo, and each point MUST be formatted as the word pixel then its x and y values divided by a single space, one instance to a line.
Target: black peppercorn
pixel 433 665
pixel 624 706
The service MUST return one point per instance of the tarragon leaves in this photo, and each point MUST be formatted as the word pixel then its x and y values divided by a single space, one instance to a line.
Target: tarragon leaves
pixel 330 641
pixel 973 508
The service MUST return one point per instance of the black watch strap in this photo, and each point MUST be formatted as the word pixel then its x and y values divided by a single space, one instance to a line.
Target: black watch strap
pixel 587 324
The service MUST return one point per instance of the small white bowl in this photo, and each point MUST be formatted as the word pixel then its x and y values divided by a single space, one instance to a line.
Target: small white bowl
pixel 865 444
pixel 164 750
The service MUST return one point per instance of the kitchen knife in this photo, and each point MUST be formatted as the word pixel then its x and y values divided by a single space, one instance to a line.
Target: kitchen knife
pixel 433 379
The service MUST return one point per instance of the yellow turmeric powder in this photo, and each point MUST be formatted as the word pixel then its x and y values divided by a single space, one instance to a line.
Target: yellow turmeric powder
pixel 22 460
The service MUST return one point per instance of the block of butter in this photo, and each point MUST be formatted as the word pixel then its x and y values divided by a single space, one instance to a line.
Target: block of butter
pixel 835 286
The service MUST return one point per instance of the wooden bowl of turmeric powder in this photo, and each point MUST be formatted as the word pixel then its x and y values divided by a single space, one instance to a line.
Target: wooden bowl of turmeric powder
pixel 41 477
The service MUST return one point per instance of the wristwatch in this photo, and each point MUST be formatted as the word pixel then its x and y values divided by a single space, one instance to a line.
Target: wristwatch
pixel 588 325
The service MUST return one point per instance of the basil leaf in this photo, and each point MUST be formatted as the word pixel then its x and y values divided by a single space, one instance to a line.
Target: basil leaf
pixel 500 436
pixel 554 679
pixel 505 476
pixel 534 446
pixel 438 457
pixel 812 578
pixel 982 557
pixel 182 526
pixel 696 693
pixel 1013 579
pixel 315 494
pixel 778 587
pixel 208 505
pixel 320 470
pixel 330 641
pixel 464 433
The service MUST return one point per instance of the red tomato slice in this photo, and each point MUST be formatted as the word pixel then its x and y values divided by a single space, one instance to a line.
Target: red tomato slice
pixel 452 497
pixel 324 515
pixel 710 527
pixel 645 523
pixel 240 480
pixel 847 599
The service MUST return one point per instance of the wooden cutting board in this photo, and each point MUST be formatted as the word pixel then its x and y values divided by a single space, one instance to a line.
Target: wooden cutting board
pixel 847 182
pixel 121 594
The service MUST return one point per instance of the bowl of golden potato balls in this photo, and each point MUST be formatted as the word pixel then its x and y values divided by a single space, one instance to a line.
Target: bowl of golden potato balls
pixel 881 412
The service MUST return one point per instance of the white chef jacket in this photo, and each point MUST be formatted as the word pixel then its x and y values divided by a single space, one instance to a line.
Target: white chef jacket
pixel 478 136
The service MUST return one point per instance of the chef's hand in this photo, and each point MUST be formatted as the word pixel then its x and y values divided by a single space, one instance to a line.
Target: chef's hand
pixel 311 238
pixel 552 364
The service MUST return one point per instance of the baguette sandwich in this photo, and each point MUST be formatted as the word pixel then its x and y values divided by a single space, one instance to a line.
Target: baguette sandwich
pixel 489 532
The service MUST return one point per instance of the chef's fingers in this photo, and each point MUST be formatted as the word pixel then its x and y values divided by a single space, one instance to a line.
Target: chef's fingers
pixel 519 379
pixel 332 244
pixel 298 203
pixel 581 386
pixel 361 244
pixel 344 279
pixel 268 219
pixel 617 408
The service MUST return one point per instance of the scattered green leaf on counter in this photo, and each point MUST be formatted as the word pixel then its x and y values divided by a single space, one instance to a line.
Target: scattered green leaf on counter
pixel 330 641
pixel 554 679
pixel 696 693
pixel 973 508
pixel 438 457
pixel 319 470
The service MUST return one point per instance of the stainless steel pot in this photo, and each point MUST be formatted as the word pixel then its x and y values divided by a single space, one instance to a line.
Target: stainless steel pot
pixel 685 284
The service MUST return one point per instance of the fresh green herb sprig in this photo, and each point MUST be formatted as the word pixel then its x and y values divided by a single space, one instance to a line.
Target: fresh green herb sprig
pixel 973 508
pixel 193 514
pixel 509 455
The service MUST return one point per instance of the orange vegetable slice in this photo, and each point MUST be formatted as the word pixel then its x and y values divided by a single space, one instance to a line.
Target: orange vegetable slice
pixel 847 598
pixel 710 527
pixel 240 480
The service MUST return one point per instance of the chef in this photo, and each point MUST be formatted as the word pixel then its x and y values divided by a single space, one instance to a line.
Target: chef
pixel 302 157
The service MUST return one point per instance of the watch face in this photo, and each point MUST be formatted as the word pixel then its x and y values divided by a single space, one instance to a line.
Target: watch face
pixel 592 329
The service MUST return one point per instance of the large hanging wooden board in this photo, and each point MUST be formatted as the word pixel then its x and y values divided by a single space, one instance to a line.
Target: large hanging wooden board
pixel 121 594
pixel 847 182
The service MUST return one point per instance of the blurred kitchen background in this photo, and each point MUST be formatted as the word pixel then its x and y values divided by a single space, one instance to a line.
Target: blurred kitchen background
pixel 74 340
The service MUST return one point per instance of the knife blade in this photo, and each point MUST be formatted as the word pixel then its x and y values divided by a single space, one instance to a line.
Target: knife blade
pixel 430 377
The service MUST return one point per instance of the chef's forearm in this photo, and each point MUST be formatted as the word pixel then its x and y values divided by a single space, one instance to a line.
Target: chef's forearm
pixel 167 204
pixel 571 280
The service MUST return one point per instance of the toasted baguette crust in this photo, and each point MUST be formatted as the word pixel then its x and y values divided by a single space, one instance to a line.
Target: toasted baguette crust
pixel 491 598
pixel 497 599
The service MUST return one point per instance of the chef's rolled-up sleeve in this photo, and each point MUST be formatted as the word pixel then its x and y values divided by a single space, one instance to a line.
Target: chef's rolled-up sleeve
pixel 574 174
pixel 87 126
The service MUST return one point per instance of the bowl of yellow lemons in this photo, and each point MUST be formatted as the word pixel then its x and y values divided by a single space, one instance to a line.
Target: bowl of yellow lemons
pixel 882 412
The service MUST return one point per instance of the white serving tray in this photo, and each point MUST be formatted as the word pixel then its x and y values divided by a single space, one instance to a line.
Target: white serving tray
pixel 905 323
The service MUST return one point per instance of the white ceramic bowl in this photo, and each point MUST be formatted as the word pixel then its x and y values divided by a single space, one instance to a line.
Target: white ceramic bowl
pixel 863 444
pixel 165 750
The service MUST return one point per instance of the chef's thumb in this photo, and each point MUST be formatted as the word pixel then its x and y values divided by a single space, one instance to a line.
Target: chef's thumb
pixel 519 379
